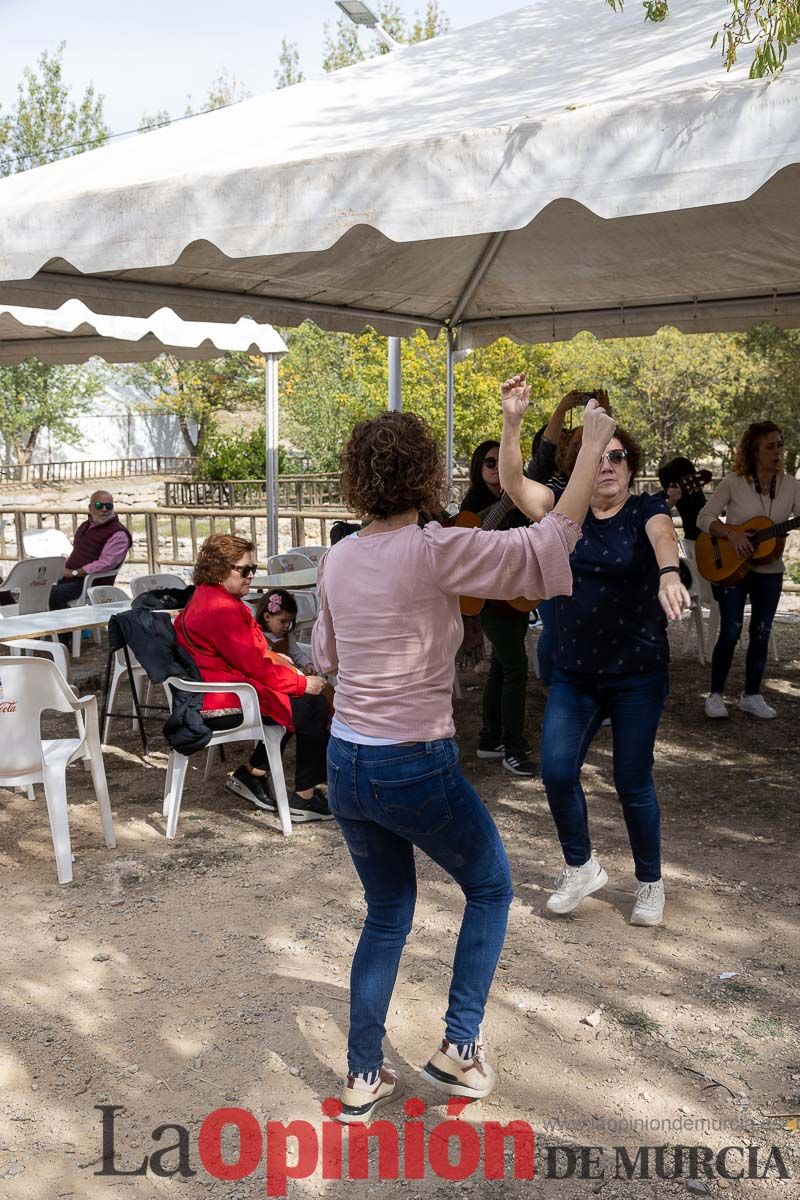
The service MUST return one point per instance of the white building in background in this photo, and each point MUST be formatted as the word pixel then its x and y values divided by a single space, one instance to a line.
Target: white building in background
pixel 115 427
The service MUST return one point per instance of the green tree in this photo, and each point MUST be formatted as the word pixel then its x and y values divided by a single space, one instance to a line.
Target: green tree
pixel 288 71
pixel 197 392
pixel 45 123
pixel 35 397
pixel 773 390
pixel 236 456
pixel 771 26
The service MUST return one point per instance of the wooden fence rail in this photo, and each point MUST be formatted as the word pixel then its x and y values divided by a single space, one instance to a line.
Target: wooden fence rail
pixel 97 469
pixel 167 537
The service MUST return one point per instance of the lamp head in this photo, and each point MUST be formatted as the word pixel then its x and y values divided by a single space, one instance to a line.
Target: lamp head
pixel 358 12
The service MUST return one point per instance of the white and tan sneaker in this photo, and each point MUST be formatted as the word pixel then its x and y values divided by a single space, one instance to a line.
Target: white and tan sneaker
pixel 575 884
pixel 756 706
pixel 365 1093
pixel 648 908
pixel 715 706
pixel 460 1072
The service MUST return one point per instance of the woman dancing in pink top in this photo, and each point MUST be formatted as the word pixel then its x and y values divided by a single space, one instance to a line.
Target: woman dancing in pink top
pixel 389 623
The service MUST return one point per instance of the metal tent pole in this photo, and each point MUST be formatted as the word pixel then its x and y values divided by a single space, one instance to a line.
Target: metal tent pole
pixel 449 419
pixel 271 428
pixel 395 375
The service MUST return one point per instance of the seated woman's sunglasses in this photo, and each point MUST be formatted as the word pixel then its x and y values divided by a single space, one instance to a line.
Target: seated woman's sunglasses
pixel 247 570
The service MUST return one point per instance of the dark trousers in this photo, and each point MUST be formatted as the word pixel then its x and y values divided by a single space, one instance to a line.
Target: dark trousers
pixel 504 694
pixel 576 707
pixel 62 593
pixel 310 716
pixel 546 646
pixel 764 592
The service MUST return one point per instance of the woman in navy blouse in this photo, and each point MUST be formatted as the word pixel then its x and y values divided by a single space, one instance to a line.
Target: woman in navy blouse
pixel 612 658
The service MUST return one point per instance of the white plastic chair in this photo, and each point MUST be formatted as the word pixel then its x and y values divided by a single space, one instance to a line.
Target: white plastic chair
pixel 106 593
pixel 695 615
pixel 141 682
pixel 83 599
pixel 148 583
pixel 33 579
pixel 251 729
pixel 277 564
pixel 315 553
pixel 31 686
pixel 307 608
pixel 46 543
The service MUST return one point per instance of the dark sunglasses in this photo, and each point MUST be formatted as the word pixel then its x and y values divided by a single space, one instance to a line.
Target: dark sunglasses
pixel 490 461
pixel 106 504
pixel 247 570
pixel 614 456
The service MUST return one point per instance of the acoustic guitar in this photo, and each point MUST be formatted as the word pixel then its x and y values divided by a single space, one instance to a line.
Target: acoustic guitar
pixel 718 562
pixel 490 518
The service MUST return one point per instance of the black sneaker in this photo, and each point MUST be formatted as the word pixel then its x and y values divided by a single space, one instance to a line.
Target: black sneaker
pixel 251 788
pixel 520 765
pixel 313 809
pixel 491 752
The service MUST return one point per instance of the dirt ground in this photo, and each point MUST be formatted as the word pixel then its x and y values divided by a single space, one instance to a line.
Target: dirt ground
pixel 174 978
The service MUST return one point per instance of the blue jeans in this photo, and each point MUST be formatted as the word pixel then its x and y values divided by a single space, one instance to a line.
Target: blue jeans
pixel 576 706
pixel 546 646
pixel 387 800
pixel 764 591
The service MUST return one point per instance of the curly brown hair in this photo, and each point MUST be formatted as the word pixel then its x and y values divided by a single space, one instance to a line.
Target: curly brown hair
pixel 217 555
pixel 634 460
pixel 390 464
pixel 745 461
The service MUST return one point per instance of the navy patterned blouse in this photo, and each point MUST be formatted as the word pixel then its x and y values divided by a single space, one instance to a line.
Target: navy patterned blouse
pixel 613 624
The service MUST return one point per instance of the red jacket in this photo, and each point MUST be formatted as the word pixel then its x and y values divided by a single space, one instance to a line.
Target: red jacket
pixel 220 634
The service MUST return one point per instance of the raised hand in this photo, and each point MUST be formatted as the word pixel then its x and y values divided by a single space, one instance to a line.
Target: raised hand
pixel 598 426
pixel 516 396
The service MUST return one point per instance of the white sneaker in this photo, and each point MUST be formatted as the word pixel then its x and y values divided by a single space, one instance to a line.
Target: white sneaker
pixel 575 884
pixel 649 906
pixel 363 1094
pixel 463 1072
pixel 715 706
pixel 756 706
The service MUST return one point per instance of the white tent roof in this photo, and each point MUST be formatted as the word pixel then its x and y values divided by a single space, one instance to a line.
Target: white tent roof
pixel 559 168
pixel 73 334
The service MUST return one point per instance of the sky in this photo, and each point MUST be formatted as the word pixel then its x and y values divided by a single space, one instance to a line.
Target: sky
pixel 148 55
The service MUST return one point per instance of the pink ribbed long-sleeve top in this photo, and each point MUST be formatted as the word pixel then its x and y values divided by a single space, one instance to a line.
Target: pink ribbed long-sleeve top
pixel 389 619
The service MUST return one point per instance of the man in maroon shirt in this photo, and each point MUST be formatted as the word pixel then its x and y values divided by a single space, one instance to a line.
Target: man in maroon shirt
pixel 100 544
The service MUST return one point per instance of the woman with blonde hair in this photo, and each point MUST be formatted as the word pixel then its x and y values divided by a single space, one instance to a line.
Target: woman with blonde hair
pixel 758 486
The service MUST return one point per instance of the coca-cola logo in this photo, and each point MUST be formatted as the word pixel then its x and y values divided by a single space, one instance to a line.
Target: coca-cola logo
pixel 8 706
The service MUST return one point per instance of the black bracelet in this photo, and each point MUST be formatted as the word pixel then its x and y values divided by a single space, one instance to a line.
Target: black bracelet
pixel 666 570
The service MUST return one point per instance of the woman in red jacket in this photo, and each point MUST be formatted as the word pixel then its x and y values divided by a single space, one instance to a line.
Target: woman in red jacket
pixel 218 630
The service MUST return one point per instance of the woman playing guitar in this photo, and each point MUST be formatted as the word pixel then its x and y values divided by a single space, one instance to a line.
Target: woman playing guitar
pixel 758 486
pixel 502 733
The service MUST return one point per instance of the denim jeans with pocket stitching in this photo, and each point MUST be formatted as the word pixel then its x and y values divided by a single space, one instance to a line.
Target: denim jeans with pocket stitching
pixel 387 801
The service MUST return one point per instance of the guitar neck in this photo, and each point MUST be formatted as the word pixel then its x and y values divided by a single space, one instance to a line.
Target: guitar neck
pixel 775 531
pixel 494 516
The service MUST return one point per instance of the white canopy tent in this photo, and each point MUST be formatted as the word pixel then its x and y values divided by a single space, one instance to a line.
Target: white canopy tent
pixel 73 334
pixel 556 169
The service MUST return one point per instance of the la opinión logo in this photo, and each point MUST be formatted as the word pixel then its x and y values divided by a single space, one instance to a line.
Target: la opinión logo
pixel 454 1150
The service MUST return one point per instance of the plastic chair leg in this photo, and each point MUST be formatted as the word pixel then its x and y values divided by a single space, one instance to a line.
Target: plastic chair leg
pixel 142 684
pixel 30 791
pixel 55 794
pixel 773 645
pixel 457 692
pixel 209 761
pixel 167 785
pixel 179 768
pixel 272 741
pixel 112 697
pixel 99 781
pixel 76 643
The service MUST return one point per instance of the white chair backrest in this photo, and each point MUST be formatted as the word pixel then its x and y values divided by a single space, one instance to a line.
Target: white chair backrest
pixel 106 593
pixel 28 687
pixel 315 553
pixel 306 606
pixel 148 583
pixel 278 563
pixel 33 578
pixel 704 592
pixel 46 543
